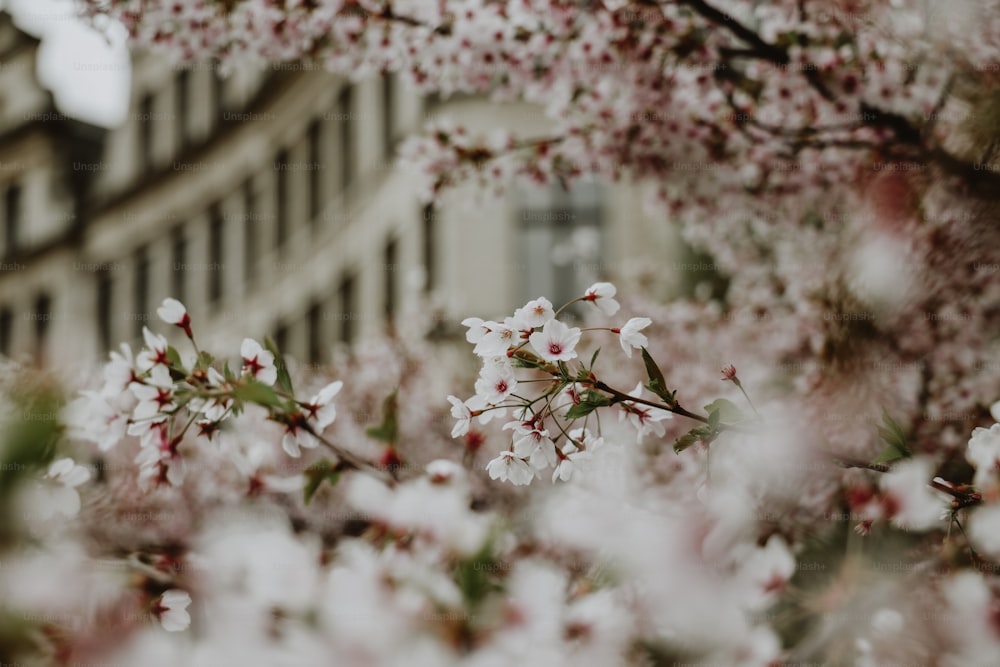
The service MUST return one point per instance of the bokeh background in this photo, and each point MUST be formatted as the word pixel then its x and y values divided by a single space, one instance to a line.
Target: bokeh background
pixel 267 199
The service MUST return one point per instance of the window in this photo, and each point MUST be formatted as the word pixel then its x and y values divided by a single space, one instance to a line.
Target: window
pixel 250 231
pixel 7 331
pixel 104 296
pixel 345 294
pixel 429 250
pixel 314 321
pixel 12 218
pixel 178 280
pixel 560 242
pixel 390 266
pixel 281 337
pixel 218 94
pixel 216 263
pixel 281 176
pixel 388 113
pixel 346 136
pixel 43 315
pixel 141 290
pixel 183 101
pixel 145 120
pixel 316 199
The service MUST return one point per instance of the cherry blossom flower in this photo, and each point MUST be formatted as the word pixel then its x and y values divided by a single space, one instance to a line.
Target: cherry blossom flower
pixel 629 336
pixel 93 418
pixel 302 427
pixel 477 329
pixel 571 458
pixel 499 338
pixel 556 341
pixel 154 353
pixel 173 312
pixel 602 296
pixel 535 313
pixel 171 610
pixel 321 409
pixel 768 570
pixel 59 495
pixel 509 467
pixel 645 419
pixel 258 362
pixel 532 442
pixel 158 459
pixel 156 398
pixel 497 381
pixel 910 502
pixel 983 453
pixel 462 414
pixel 984 530
pixel 216 407
pixel 119 372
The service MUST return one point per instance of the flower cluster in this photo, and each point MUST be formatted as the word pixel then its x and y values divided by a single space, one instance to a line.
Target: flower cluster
pixel 169 404
pixel 546 434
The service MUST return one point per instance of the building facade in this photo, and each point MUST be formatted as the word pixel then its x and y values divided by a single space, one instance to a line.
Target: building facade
pixel 268 202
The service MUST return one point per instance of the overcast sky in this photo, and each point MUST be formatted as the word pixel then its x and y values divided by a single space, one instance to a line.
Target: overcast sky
pixel 89 76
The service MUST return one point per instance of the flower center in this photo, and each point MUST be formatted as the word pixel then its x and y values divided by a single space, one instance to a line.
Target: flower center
pixel 555 348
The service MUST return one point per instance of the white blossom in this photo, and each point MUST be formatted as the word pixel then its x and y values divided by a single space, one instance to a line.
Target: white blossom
pixel 556 341
pixel 629 336
pixel 510 467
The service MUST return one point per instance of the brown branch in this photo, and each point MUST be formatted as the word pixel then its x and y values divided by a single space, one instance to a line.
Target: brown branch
pixel 759 47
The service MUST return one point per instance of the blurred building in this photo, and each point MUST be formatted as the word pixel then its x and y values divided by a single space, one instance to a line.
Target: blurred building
pixel 268 203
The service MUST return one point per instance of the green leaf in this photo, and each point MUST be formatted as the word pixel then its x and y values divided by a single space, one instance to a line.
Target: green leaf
pixel 174 357
pixel 657 384
pixel 692 437
pixel 284 379
pixel 477 576
pixel 590 401
pixel 315 474
pixel 204 360
pixel 259 393
pixel 563 369
pixel 593 358
pixel 726 409
pixel 388 430
pixel 892 434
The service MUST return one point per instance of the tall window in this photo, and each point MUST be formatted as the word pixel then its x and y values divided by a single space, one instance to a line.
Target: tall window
pixel 316 198
pixel 429 243
pixel 281 176
pixel 281 337
pixel 560 242
pixel 345 294
pixel 346 136
pixel 141 290
pixel 7 331
pixel 12 218
pixel 388 113
pixel 178 277
pixel 183 101
pixel 218 94
pixel 216 237
pixel 250 231
pixel 145 121
pixel 104 296
pixel 314 322
pixel 43 315
pixel 390 266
